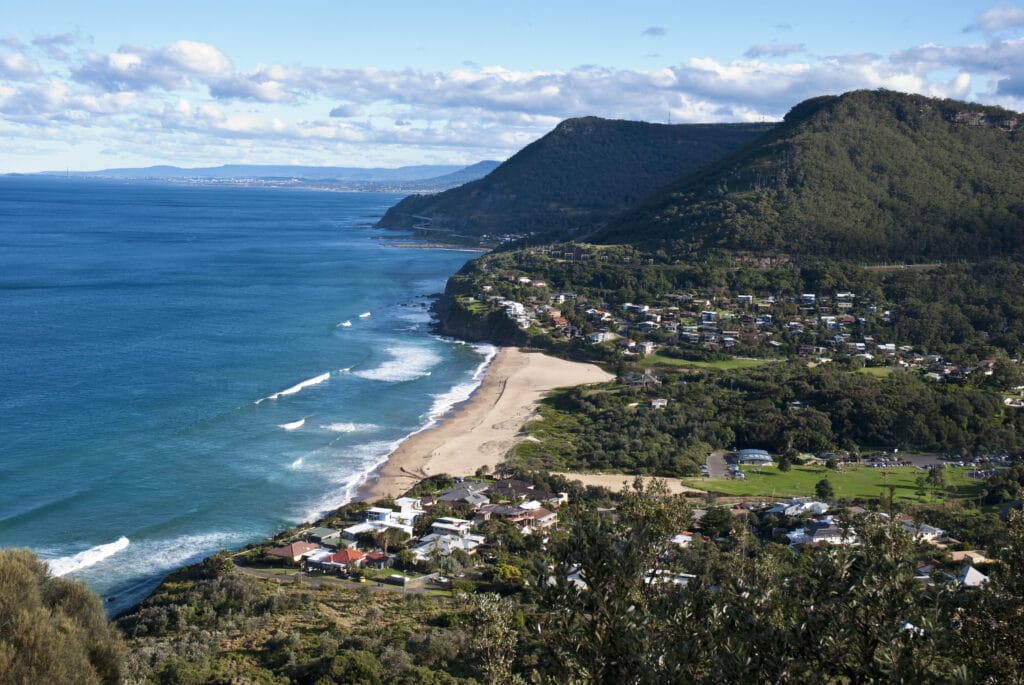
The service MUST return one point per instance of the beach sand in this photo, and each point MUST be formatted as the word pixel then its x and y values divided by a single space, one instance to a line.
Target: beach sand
pixel 482 430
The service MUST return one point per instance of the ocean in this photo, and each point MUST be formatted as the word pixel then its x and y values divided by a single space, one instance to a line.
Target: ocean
pixel 186 369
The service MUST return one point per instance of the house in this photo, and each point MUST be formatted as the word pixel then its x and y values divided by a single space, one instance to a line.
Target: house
pixel 470 494
pixel 798 506
pixel 345 560
pixel 970 577
pixel 538 519
pixel 754 457
pixel 378 560
pixel 444 545
pixel 822 531
pixel 923 531
pixel 647 347
pixel 380 518
pixel 447 525
pixel 294 551
pixel 659 403
pixel 325 536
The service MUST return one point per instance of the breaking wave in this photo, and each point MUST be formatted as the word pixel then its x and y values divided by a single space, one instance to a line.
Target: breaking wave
pixel 294 425
pixel 405 364
pixel 93 555
pixel 348 427
pixel 298 387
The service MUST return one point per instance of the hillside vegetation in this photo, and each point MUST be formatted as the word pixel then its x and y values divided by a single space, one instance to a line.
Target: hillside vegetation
pixel 867 175
pixel 578 176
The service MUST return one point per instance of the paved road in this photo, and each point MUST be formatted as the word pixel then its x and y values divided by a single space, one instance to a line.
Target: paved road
pixel 717 463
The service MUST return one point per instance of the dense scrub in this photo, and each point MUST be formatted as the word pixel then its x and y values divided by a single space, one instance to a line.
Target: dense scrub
pixel 577 176
pixel 869 175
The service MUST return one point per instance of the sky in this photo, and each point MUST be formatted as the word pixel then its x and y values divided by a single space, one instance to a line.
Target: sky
pixel 98 85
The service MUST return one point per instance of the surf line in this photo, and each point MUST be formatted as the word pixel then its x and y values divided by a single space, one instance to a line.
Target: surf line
pixel 298 387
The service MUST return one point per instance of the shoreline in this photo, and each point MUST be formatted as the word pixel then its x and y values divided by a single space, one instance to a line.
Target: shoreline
pixel 481 430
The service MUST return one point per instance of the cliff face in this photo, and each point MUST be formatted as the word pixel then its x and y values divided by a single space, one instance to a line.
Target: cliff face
pixel 456 320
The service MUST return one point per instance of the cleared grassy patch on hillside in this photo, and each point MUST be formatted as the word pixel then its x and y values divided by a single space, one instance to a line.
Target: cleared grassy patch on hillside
pixel 851 482
pixel 722 365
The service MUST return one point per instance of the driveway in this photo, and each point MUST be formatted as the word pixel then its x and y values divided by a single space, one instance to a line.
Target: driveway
pixel 716 464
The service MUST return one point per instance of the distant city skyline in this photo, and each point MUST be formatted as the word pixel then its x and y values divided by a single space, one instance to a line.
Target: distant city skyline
pixel 118 84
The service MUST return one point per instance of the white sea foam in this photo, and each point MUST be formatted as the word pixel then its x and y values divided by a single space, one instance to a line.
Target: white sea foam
pixel 364 315
pixel 295 465
pixel 344 324
pixel 294 425
pixel 368 457
pixel 405 364
pixel 298 387
pixel 345 370
pixel 444 402
pixel 347 427
pixel 85 559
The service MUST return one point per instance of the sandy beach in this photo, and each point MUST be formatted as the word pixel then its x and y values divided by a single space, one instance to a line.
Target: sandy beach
pixel 481 431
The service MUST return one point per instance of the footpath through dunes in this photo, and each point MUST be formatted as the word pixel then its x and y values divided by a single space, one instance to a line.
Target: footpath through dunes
pixel 483 430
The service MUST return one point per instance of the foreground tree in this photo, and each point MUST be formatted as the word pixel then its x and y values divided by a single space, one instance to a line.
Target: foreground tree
pixel 52 630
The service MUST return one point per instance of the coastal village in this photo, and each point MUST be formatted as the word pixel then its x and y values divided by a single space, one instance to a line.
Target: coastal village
pixel 817 326
pixel 413 542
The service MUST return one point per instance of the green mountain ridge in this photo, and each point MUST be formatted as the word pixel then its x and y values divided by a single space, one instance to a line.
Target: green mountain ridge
pixel 577 177
pixel 865 175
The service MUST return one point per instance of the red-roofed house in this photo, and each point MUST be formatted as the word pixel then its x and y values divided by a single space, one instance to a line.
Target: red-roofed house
pixel 338 562
pixel 294 551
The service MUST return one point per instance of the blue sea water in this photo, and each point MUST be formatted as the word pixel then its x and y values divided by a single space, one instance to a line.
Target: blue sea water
pixel 177 375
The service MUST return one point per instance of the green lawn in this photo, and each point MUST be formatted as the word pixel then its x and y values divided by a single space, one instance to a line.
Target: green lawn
pixel 724 365
pixel 876 371
pixel 853 481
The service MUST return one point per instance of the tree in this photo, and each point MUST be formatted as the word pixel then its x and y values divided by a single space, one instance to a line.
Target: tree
pixel 936 478
pixel 717 522
pixel 823 490
pixel 602 633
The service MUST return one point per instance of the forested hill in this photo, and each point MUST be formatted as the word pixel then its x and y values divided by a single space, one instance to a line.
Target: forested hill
pixel 576 177
pixel 865 175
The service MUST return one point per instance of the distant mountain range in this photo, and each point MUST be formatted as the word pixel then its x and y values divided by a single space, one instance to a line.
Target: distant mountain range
pixel 421 178
pixel 866 175
pixel 575 178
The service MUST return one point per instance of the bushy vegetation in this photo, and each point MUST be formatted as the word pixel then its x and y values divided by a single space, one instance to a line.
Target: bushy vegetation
pixel 52 630
pixel 779 407
pixel 868 174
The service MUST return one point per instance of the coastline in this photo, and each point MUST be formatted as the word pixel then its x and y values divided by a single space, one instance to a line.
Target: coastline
pixel 480 431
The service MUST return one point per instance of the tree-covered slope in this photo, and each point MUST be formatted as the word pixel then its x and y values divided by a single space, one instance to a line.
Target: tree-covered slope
pixel 868 175
pixel 578 176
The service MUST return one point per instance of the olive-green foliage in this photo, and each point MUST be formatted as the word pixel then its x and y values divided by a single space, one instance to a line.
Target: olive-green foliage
pixel 753 612
pixel 52 630
pixel 868 174
pixel 577 176
pixel 587 429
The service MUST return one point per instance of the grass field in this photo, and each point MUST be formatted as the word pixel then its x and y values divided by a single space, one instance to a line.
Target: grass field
pixel 876 371
pixel 724 365
pixel 852 482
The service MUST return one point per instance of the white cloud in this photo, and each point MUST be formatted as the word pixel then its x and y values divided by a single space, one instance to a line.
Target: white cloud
pixel 192 91
pixel 18 65
pixel 999 19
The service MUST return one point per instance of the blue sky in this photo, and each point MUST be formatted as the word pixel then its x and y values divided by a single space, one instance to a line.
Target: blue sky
pixel 106 84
